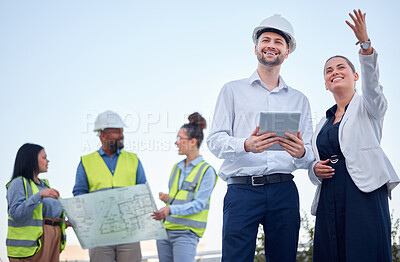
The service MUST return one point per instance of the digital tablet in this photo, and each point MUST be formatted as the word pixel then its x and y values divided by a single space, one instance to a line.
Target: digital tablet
pixel 279 122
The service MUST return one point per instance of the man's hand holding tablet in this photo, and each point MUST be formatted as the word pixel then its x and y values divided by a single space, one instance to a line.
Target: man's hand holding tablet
pixel 277 131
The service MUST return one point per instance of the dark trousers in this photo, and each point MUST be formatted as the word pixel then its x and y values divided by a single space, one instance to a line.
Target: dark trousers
pixel 276 207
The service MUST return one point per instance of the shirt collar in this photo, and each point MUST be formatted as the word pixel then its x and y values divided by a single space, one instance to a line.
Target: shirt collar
pixel 40 182
pixel 102 153
pixel 331 111
pixel 256 78
pixel 194 162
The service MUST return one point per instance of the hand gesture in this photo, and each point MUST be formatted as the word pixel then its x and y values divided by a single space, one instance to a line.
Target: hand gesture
pixel 49 192
pixel 359 28
pixel 294 146
pixel 322 170
pixel 259 143
pixel 162 213
pixel 163 197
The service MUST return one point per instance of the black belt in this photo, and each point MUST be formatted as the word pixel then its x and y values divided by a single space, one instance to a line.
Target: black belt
pixel 260 180
pixel 334 158
pixel 51 222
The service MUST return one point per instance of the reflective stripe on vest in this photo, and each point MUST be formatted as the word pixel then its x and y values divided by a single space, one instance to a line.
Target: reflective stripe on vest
pixel 100 177
pixel 23 239
pixel 186 222
pixel 195 222
pixel 21 243
pixel 29 223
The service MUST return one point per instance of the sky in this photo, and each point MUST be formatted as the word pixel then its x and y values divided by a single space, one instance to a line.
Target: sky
pixel 156 62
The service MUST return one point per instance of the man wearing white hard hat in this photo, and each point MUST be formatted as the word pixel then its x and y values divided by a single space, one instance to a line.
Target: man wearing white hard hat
pixel 107 168
pixel 260 181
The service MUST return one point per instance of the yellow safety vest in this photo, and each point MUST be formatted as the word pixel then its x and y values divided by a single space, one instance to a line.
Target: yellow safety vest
pixel 23 239
pixel 195 222
pixel 99 176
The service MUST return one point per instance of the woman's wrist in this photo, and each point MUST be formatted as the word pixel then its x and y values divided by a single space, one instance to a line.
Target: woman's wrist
pixel 368 51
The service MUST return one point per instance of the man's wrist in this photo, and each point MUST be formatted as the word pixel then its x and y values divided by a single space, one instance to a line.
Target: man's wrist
pixel 245 146
pixel 304 153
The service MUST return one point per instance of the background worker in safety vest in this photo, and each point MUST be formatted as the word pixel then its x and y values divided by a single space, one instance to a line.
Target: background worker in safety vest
pixel 36 221
pixel 108 168
pixel 190 186
pixel 260 185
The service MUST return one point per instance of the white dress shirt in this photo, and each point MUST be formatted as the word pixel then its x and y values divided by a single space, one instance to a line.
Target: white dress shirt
pixel 236 116
pixel 360 134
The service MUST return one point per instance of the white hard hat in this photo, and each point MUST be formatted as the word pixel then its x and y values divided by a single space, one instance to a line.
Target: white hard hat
pixel 279 23
pixel 108 119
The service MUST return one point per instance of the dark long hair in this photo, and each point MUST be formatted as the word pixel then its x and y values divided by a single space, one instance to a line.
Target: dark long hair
pixel 26 162
pixel 195 127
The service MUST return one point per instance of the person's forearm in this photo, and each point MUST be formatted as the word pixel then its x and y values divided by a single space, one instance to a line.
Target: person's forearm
pixel 372 90
pixel 140 175
pixel 81 183
pixel 225 146
pixel 22 209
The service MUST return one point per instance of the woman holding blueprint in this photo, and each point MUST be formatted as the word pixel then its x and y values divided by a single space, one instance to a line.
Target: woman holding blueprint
pixel 353 174
pixel 190 186
pixel 36 221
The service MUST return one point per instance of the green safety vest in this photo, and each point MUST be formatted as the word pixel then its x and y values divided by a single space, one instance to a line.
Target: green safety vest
pixel 23 239
pixel 195 222
pixel 100 177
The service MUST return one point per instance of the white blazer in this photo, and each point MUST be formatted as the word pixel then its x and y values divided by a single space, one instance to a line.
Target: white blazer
pixel 360 134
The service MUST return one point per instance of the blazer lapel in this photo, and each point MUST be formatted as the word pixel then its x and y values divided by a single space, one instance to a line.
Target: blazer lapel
pixel 350 111
pixel 315 135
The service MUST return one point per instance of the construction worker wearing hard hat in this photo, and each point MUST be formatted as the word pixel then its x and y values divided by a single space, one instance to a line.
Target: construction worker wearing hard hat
pixel 107 168
pixel 260 185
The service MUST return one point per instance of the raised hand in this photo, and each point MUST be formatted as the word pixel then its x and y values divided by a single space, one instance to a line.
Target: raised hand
pixel 163 197
pixel 359 28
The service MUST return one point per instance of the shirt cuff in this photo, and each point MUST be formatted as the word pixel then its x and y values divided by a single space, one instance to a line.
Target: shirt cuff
pixel 302 163
pixel 37 198
pixel 239 147
pixel 368 58
pixel 172 210
pixel 314 179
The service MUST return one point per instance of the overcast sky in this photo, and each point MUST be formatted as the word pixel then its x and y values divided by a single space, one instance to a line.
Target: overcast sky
pixel 155 62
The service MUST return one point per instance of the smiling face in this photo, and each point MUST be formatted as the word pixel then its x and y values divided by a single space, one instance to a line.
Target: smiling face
pixel 184 143
pixel 271 49
pixel 42 161
pixel 339 76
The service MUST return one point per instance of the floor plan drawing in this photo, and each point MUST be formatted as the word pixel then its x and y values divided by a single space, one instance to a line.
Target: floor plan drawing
pixel 111 217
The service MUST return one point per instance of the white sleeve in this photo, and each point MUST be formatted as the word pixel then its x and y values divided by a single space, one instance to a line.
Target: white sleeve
pixel 314 179
pixel 220 140
pixel 372 90
pixel 306 132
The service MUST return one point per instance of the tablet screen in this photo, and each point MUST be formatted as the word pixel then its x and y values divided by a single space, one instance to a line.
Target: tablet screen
pixel 279 122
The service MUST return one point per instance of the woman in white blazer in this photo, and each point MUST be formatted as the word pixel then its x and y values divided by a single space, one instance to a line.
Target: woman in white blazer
pixel 353 174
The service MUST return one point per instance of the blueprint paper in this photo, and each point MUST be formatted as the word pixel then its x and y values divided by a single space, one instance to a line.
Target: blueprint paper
pixel 112 217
